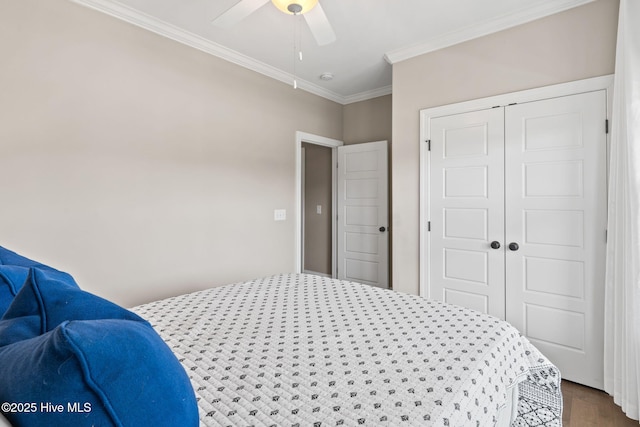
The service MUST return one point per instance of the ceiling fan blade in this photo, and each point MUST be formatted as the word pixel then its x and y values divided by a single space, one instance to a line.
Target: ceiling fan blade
pixel 320 26
pixel 238 12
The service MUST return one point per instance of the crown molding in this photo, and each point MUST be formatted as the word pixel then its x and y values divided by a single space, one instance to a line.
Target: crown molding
pixel 147 22
pixel 500 23
pixel 370 94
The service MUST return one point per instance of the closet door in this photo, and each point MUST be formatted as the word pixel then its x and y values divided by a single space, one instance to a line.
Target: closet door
pixel 555 193
pixel 466 213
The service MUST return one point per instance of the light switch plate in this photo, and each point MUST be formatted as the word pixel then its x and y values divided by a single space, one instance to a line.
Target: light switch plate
pixel 319 209
pixel 279 214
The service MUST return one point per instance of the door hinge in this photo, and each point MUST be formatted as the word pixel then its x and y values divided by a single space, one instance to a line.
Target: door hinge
pixel 428 141
pixel 428 225
pixel 606 126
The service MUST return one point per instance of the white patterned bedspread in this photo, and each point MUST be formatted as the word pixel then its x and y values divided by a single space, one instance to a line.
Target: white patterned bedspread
pixel 303 350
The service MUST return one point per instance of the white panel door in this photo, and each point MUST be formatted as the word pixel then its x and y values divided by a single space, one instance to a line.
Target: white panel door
pixel 555 156
pixel 466 211
pixel 530 177
pixel 363 237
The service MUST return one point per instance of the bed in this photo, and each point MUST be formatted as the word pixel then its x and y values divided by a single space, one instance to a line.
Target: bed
pixel 304 350
pixel 288 350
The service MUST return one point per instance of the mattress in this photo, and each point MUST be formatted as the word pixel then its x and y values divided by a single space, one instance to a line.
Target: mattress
pixel 304 350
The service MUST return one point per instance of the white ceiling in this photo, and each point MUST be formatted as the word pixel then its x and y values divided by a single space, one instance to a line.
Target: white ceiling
pixel 371 35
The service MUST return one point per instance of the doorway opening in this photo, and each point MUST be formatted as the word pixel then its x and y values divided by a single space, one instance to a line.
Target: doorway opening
pixel 321 252
pixel 317 206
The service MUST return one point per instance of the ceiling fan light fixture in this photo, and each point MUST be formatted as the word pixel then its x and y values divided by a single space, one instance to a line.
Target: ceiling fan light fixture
pixel 295 7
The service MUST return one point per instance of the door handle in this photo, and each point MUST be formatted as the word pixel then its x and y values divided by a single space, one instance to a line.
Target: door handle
pixel 382 229
pixel 513 246
pixel 495 245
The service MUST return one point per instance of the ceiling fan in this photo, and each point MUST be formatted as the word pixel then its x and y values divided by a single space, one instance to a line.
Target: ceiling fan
pixel 310 9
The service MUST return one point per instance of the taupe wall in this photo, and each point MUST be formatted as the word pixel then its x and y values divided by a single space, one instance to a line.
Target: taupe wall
pixel 573 45
pixel 318 191
pixel 368 121
pixel 144 167
pixel 148 168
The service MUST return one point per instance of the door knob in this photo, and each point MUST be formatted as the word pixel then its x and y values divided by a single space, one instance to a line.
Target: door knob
pixel 382 229
pixel 513 246
pixel 495 245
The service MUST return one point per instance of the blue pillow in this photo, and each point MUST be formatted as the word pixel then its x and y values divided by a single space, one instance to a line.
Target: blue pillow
pixel 14 269
pixel 11 280
pixel 107 372
pixel 47 299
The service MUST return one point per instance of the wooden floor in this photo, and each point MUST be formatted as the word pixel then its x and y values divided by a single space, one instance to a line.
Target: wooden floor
pixel 588 407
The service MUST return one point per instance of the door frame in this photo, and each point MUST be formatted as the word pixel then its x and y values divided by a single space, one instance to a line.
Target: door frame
pixel 553 91
pixel 299 230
